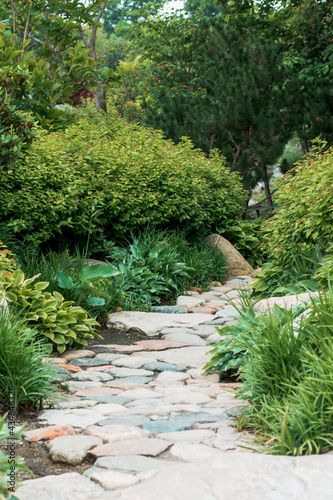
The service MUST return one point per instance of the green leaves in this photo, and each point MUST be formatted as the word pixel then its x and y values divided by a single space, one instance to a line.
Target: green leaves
pixel 64 280
pixel 98 271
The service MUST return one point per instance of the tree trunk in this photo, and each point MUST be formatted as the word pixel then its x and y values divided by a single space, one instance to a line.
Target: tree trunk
pixel 245 208
pixel 267 188
pixel 100 97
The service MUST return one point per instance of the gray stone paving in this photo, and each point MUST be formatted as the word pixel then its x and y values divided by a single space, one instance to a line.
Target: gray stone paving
pixel 156 427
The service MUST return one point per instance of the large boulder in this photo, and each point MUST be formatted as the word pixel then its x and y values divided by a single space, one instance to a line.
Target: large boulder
pixel 237 264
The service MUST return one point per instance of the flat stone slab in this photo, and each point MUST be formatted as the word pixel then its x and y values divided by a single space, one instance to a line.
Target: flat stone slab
pixel 51 432
pixel 133 380
pixel 130 420
pixel 226 476
pixel 111 433
pixel 72 449
pixel 112 480
pixel 98 391
pixel 140 394
pixel 85 362
pixel 151 323
pixel 117 400
pixel 170 309
pixel 192 357
pixel 285 302
pixel 226 312
pixel 80 418
pixel 146 345
pixel 70 486
pixel 132 464
pixel 140 446
pixel 79 353
pixel 165 331
pixel 93 376
pixel 201 416
pixel 130 361
pixel 161 426
pixel 129 372
pixel 186 338
pixel 171 376
pixel 191 436
pixel 160 366
pixel 110 357
pixel 188 301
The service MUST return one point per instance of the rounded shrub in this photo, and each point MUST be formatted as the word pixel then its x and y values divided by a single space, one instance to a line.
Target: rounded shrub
pixel 305 214
pixel 109 177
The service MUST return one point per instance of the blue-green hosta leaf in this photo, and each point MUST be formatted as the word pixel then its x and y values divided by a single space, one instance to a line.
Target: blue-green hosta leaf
pixel 95 301
pixel 64 281
pixel 97 271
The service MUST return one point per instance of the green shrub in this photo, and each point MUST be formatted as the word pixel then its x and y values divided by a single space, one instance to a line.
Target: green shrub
pixel 22 370
pixel 7 462
pixel 129 174
pixel 305 198
pixel 59 324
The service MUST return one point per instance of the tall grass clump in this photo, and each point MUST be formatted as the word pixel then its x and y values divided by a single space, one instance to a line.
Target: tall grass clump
pixel 288 379
pixel 25 380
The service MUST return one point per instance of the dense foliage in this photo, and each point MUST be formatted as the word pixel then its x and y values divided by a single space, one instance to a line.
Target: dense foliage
pixel 125 175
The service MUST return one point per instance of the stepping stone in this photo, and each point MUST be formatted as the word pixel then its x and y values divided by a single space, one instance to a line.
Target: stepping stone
pixel 186 338
pixel 169 376
pixel 80 353
pixel 201 416
pixel 112 480
pixel 77 385
pixel 132 380
pixel 98 391
pixel 161 426
pixel 152 323
pixel 48 433
pixel 170 309
pixel 79 419
pixel 226 312
pixel 165 331
pixel 130 420
pixel 69 486
pixel 159 366
pixel 219 322
pixel 72 449
pixel 191 452
pixel 146 345
pixel 73 405
pixel 147 403
pixel 119 400
pixel 192 357
pixel 132 464
pixel 191 398
pixel 85 362
pixel 140 394
pixel 93 376
pixel 192 436
pixel 188 302
pixel 130 361
pixel 108 356
pixel 129 372
pixel 203 331
pixel 203 310
pixel 107 409
pixel 140 446
pixel 71 368
pixel 111 433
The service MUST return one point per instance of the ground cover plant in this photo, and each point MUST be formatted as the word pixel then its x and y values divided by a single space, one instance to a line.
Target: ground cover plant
pixel 137 178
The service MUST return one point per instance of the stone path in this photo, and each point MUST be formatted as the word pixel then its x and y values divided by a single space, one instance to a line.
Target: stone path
pixel 156 426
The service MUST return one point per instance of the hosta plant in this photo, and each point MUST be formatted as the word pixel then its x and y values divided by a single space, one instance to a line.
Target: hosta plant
pixel 59 324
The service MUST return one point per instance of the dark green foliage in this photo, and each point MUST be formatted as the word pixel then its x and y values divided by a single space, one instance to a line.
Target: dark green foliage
pixel 128 174
pixel 117 13
pixel 21 364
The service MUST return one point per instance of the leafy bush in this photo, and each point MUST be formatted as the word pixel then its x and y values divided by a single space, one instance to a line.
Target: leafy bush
pixel 6 461
pixel 59 324
pixel 129 174
pixel 21 364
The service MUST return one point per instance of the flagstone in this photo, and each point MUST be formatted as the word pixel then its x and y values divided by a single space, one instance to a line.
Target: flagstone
pixel 72 449
pixel 98 391
pixel 106 409
pixel 80 418
pixel 187 436
pixel 80 353
pixel 130 361
pixel 112 480
pixel 93 376
pixel 186 338
pixel 140 446
pixel 47 433
pixel 113 432
pixel 128 420
pixel 146 345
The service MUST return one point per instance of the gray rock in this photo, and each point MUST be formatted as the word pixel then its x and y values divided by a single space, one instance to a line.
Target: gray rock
pixel 109 399
pixel 170 309
pixel 130 361
pixel 86 362
pixel 201 416
pixel 134 380
pixel 130 372
pixel 132 464
pixel 72 449
pixel 185 338
pixel 78 418
pixel 106 356
pixel 70 486
pixel 192 357
pixel 152 323
pixel 77 385
pixel 204 331
pixel 160 426
pixel 219 321
pixel 226 312
pixel 92 376
pixel 159 366
pixel 131 420
pixel 89 472
pixel 225 476
pixel 165 331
